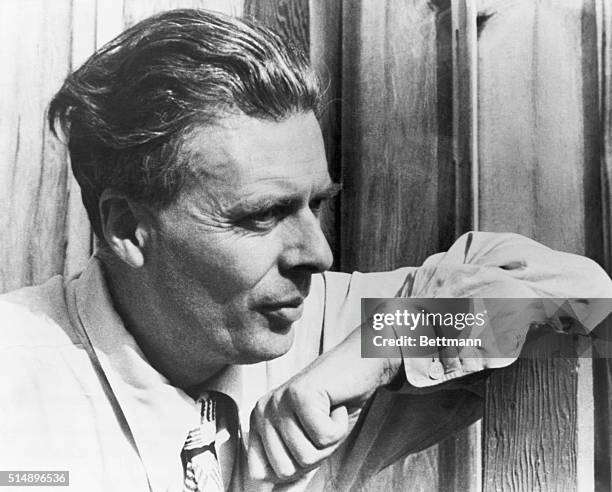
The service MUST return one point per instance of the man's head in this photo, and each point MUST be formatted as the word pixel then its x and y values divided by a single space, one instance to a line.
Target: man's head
pixel 194 139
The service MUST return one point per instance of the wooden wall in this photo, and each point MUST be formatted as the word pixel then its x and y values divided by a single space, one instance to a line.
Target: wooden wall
pixel 441 116
pixel 545 143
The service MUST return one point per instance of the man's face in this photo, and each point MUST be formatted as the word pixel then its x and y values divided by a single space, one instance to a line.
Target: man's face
pixel 231 260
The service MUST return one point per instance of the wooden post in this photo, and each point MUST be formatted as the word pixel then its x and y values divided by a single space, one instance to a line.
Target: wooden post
pixel 602 367
pixel 34 175
pixel 536 151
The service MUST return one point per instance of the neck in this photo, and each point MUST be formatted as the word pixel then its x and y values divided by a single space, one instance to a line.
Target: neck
pixel 158 336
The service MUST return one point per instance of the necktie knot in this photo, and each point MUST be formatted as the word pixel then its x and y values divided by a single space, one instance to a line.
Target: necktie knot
pixel 208 408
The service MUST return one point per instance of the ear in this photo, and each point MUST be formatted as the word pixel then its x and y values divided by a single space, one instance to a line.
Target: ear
pixel 125 226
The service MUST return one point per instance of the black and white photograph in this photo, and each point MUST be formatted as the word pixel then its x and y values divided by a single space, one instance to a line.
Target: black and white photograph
pixel 306 245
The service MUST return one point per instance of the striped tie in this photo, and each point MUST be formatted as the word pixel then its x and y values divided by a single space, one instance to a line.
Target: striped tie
pixel 201 469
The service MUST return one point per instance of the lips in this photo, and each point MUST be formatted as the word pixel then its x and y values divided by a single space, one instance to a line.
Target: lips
pixel 288 312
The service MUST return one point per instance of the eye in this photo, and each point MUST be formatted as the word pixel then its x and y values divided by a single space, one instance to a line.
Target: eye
pixel 263 219
pixel 264 215
pixel 316 206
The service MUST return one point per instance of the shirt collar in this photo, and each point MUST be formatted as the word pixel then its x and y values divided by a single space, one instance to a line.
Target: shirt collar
pixel 158 414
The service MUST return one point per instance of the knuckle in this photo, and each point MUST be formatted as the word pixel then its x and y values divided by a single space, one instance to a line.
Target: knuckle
pixel 285 472
pixel 293 394
pixel 258 415
pixel 260 409
pixel 306 460
pixel 323 439
pixel 300 394
pixel 277 399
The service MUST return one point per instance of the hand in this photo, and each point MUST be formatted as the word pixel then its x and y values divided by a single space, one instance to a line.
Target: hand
pixel 298 425
pixel 293 429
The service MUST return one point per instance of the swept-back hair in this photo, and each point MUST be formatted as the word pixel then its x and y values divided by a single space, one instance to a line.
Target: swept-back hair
pixel 126 110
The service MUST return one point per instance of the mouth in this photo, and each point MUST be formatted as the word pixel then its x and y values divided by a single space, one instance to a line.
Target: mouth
pixel 285 312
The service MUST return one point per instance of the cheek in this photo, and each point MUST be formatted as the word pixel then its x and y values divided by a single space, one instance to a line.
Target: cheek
pixel 227 264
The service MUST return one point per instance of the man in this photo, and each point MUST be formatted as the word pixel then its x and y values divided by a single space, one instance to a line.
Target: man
pixel 197 328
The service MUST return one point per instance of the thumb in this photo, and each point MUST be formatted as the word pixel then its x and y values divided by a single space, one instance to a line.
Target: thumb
pixel 324 428
pixel 339 416
pixel 340 422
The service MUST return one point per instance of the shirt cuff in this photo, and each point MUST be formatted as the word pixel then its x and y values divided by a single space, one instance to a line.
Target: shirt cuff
pixel 571 295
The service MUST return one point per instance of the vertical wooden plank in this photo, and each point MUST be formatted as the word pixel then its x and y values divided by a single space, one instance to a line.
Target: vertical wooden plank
pixel 416 473
pixel 460 455
pixel 590 61
pixel 536 151
pixel 137 10
pixel 460 461
pixel 602 368
pixel 229 7
pixel 326 57
pixel 446 82
pixel 529 427
pixel 392 143
pixel 78 231
pixel 109 20
pixel 532 137
pixel 33 172
pixel 290 18
pixel 465 114
pixel 84 25
pixel 397 143
pixel 585 426
pixel 602 389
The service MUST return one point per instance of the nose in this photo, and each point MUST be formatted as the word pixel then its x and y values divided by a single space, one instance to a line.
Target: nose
pixel 306 246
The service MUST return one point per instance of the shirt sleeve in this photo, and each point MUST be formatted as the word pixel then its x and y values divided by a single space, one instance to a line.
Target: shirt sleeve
pixel 490 265
pixel 478 265
pixel 441 395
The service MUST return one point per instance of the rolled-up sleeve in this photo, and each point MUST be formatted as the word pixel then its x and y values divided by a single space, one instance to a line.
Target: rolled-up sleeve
pixel 493 265
pixel 441 395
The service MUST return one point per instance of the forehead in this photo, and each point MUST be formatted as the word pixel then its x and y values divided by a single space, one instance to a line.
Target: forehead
pixel 241 152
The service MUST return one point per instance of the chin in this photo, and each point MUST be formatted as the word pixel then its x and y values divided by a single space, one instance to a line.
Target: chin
pixel 269 346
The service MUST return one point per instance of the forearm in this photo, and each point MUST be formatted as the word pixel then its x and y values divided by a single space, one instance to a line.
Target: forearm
pixel 308 414
pixel 348 378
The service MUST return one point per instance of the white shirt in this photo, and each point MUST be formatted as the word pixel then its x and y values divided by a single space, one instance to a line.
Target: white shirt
pixel 78 394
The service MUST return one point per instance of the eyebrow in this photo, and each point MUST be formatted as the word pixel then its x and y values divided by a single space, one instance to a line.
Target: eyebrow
pixel 330 191
pixel 262 202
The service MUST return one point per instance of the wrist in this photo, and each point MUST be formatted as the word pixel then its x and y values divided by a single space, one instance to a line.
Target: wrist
pixel 346 377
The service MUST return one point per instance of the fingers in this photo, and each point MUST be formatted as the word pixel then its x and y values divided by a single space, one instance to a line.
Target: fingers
pixel 259 468
pixel 287 441
pixel 278 455
pixel 322 428
pixel 340 417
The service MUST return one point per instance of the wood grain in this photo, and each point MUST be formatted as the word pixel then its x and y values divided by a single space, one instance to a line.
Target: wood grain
pixel 326 58
pixel 390 149
pixel 417 473
pixel 392 143
pixel 78 233
pixel 460 459
pixel 602 388
pixel 465 114
pixel 602 367
pixel 290 18
pixel 536 151
pixel 395 144
pixel 33 170
pixel 531 128
pixel 137 10
pixel 460 455
pixel 529 430
pixel 109 21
